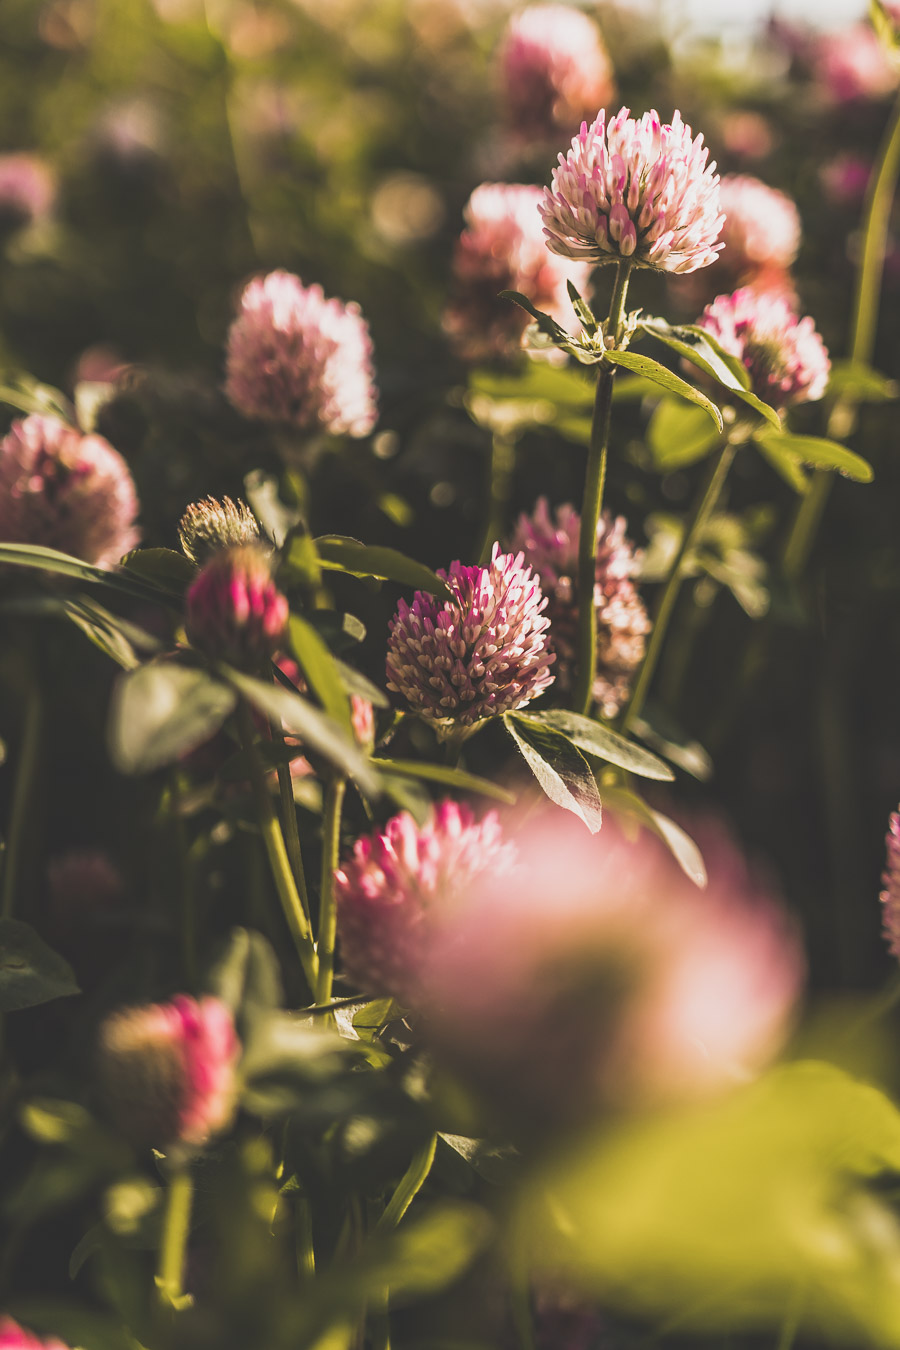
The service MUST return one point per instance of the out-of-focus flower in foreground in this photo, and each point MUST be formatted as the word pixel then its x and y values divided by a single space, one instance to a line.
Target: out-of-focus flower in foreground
pixel 66 491
pixel 597 974
pixel 398 881
pixel 550 547
pixel 554 71
pixel 479 654
pixel 296 358
pixel 636 190
pixel 208 526
pixel 234 611
pixel 27 191
pixel 784 355
pixel 14 1337
pixel 890 895
pixel 167 1072
pixel 503 248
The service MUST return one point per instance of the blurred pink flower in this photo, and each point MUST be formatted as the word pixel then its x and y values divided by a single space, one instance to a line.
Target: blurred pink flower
pixel 784 355
pixel 398 880
pixel 747 134
pixel 503 248
pixel 234 611
pixel 167 1071
pixel 890 895
pixel 554 71
pixel 295 357
pixel 637 190
pixel 853 65
pixel 845 179
pixel 482 653
pixel 14 1337
pixel 550 547
pixel 27 190
pixel 762 226
pixel 362 716
pixel 81 882
pixel 597 974
pixel 66 491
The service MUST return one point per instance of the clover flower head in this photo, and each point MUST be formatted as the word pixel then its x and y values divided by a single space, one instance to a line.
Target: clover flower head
pixel 762 226
pixel 208 526
pixel 550 547
pixel 638 191
pixel 554 71
pixel 296 358
pixel 167 1071
pixel 890 895
pixel 502 248
pixel 234 611
pixel 784 355
pixel 853 66
pixel 480 653
pixel 391 889
pixel 66 491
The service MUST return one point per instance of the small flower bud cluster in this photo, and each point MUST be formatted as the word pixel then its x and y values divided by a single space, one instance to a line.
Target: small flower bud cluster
pixel 208 526
pixel 234 611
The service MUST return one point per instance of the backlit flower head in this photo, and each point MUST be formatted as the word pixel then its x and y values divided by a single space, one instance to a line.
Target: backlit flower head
pixel 636 190
pixel 27 190
pixel 503 248
pixel 482 653
pixel 554 71
pixel 762 226
pixel 209 525
pixel 66 491
pixel 397 881
pixel 167 1071
pixel 550 547
pixel 234 611
pixel 890 895
pixel 784 355
pixel 297 358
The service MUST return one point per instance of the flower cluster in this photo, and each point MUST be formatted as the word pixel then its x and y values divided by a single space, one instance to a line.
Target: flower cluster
pixel 66 491
pixel 234 611
pixel 554 71
pixel 208 526
pixel 550 547
pixel 890 895
pixel 481 653
pixel 635 190
pixel 296 358
pixel 167 1071
pixel 503 248
pixel 398 881
pixel 784 355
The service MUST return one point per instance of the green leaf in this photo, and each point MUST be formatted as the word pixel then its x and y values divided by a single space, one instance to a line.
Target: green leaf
pixel 29 396
pixel 582 309
pixel 545 323
pixel 161 711
pixel 301 560
pixel 115 637
pixel 632 388
pixel 708 355
pixel 320 669
pixel 539 381
pixel 679 843
pixel 666 379
pixel 246 973
pixel 162 567
pixel 687 755
pixel 598 741
pixel 340 631
pixel 710 343
pixel 562 771
pixel 861 382
pixel 341 554
pixel 442 773
pixel 819 453
pixel 679 434
pixel 30 971
pixel 785 466
pixel 357 684
pixel 318 731
pixel 63 564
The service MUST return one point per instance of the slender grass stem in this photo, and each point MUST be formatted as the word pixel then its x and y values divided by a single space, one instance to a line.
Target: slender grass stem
pixel 331 843
pixel 173 1240
pixel 291 832
pixel 23 795
pixel 410 1184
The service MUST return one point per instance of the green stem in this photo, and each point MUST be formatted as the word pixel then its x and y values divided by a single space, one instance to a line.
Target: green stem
pixel 23 793
pixel 503 461
pixel 303 1232
pixel 277 851
pixel 594 483
pixel 410 1184
pixel 289 816
pixel 876 227
pixel 173 1240
pixel 331 844
pixel 704 508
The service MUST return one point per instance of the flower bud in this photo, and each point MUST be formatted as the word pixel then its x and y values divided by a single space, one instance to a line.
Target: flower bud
pixel 209 526
pixel 234 610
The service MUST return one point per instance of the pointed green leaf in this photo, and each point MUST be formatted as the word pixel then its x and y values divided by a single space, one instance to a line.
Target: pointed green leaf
pixel 666 379
pixel 582 309
pixel 538 380
pixel 442 773
pixel 544 322
pixel 30 971
pixel 562 771
pixel 785 465
pixel 342 554
pixel 680 844
pixel 708 355
pixel 819 453
pixel 63 564
pixel 161 711
pixel 320 670
pixel 162 567
pixel 598 741
pixel 861 383
pixel 710 342
pixel 679 434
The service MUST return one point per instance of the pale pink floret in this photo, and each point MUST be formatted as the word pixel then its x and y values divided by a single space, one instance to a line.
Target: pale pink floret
pixel 784 355
pixel 550 547
pixel 554 71
pixel 398 880
pixel 853 65
pixel 168 1070
pixel 890 895
pixel 27 190
pixel 297 358
pixel 503 248
pixel 597 974
pixel 480 654
pixel 762 226
pixel 635 190
pixel 234 611
pixel 66 491
pixel 14 1337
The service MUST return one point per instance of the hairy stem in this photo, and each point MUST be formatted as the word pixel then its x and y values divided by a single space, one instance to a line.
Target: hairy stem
pixel 331 843
pixel 595 480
